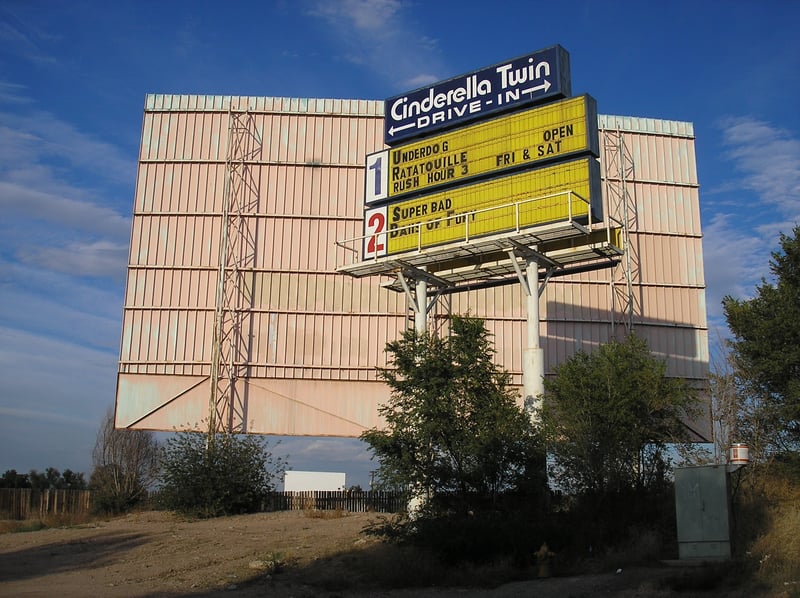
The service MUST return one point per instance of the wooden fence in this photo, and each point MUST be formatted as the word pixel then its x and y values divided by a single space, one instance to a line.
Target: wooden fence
pixel 342 500
pixel 27 503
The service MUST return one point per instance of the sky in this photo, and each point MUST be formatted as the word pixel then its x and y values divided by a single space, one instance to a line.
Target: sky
pixel 74 75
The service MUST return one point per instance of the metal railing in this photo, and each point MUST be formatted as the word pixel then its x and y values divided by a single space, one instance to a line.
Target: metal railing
pixel 520 209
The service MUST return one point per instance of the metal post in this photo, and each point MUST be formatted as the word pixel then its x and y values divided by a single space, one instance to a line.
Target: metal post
pixel 419 498
pixel 421 311
pixel 532 354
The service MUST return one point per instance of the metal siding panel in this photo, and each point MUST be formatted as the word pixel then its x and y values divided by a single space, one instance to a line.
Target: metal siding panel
pixel 670 259
pixel 291 139
pixel 350 142
pixel 271 138
pixel 316 135
pixel 658 159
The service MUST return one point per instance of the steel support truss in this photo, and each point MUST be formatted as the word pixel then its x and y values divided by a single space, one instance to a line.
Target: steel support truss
pixel 231 344
pixel 621 204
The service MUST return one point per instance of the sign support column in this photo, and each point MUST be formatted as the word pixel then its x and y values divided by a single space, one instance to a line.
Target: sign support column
pixel 421 310
pixel 532 354
pixel 418 300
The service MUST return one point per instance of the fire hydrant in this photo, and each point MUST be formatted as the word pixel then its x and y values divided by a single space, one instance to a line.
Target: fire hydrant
pixel 544 561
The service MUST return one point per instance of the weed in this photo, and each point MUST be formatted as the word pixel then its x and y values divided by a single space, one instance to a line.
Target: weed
pixel 271 563
pixel 313 513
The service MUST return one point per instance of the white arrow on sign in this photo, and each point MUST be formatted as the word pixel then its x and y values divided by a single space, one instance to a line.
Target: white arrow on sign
pixel 398 129
pixel 543 87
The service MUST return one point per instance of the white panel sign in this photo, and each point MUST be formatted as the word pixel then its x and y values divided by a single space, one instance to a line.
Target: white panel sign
pixel 375 232
pixel 377 181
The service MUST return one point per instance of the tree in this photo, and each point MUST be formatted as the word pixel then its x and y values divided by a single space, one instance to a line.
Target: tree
pixel 125 466
pixel 73 480
pixel 12 479
pixel 608 416
pixel 453 426
pixel 53 479
pixel 43 480
pixel 766 349
pixel 727 405
pixel 225 475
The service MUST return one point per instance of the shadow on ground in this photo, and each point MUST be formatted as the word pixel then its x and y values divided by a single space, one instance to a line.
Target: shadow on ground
pixel 65 556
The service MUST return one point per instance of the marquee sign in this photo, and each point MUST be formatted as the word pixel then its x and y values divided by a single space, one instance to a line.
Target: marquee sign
pixel 564 191
pixel 509 85
pixel 511 142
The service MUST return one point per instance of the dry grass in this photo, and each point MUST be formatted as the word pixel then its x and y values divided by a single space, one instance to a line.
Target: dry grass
pixel 314 513
pixel 778 549
pixel 11 526
pixel 770 514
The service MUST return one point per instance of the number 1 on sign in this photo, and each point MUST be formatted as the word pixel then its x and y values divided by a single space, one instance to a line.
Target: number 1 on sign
pixel 376 166
pixel 377 181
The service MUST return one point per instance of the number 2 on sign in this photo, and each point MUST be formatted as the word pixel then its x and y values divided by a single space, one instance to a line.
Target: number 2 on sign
pixel 374 233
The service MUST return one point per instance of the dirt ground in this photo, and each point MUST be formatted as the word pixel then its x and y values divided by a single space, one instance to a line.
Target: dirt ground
pixel 285 554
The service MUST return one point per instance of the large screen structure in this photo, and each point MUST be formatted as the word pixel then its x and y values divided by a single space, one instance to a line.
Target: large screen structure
pixel 303 341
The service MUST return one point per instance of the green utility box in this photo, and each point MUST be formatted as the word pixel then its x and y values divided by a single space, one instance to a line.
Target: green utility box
pixel 702 508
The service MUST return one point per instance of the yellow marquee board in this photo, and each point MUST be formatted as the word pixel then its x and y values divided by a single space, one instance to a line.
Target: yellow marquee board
pixel 520 140
pixel 568 190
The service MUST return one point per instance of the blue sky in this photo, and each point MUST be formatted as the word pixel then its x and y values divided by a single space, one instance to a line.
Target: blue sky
pixel 73 77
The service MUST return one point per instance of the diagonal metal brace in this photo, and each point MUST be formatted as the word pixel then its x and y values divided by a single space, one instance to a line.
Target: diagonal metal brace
pixel 417 274
pixel 550 265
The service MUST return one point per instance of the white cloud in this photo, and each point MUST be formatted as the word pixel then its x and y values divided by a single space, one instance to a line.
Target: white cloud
pixel 55 197
pixel 377 35
pixel 768 159
pixel 12 93
pixel 23 38
pixel 61 306
pixel 737 244
pixel 422 80
pixel 100 258
pixel 37 415
pixel 45 166
pixel 66 289
pixel 62 378
pixel 36 137
pixel 734 261
pixel 21 201
pixel 367 16
pixel 334 449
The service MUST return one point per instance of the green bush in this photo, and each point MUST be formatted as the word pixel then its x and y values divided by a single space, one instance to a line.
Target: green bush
pixel 455 432
pixel 224 475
